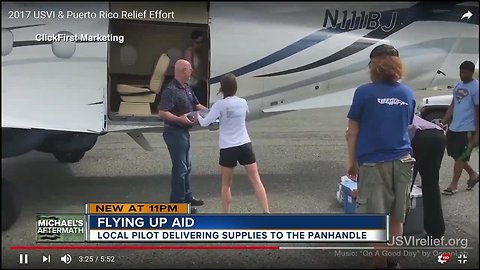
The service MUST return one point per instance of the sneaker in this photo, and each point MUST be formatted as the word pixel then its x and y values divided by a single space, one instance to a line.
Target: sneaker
pixel 392 263
pixel 195 202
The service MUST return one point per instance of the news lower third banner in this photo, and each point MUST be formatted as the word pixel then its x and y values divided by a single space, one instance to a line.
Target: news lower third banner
pixel 167 223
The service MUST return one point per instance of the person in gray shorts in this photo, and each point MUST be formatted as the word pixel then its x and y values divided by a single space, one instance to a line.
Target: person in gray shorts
pixel 462 120
pixel 378 142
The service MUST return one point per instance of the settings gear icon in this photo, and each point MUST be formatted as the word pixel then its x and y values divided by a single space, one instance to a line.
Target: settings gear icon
pixel 443 258
pixel 440 259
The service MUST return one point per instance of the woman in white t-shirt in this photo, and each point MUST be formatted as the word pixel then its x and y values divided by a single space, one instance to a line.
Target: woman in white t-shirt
pixel 235 144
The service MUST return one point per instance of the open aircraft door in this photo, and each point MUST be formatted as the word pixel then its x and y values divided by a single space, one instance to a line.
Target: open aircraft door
pixel 156 35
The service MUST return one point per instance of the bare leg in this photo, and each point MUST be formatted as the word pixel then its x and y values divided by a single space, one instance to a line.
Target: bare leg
pixel 227 179
pixel 457 173
pixel 260 193
pixel 471 172
pixel 396 230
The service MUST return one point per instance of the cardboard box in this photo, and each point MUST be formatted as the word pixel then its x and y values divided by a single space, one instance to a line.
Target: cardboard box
pixel 348 191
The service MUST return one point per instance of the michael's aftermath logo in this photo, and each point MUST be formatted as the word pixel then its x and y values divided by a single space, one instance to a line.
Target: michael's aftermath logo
pixel 60 228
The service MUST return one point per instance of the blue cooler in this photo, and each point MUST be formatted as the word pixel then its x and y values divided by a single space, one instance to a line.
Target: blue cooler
pixel 349 204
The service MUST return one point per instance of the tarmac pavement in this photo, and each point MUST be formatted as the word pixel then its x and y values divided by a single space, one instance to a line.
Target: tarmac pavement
pixel 301 156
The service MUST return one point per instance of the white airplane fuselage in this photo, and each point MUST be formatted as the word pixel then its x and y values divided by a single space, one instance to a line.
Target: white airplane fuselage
pixel 58 96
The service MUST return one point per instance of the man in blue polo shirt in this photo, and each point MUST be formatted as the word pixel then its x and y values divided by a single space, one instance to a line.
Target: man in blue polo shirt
pixel 177 100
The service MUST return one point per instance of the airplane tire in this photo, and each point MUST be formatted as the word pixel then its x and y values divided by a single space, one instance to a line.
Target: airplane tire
pixel 10 204
pixel 69 157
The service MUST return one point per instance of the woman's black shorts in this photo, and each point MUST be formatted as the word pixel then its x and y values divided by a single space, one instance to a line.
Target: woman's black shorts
pixel 242 154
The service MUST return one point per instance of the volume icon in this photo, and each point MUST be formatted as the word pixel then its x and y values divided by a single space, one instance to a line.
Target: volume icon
pixel 67 259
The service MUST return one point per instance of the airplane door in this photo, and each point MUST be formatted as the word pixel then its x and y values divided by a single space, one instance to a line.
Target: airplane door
pixel 48 83
pixel 235 48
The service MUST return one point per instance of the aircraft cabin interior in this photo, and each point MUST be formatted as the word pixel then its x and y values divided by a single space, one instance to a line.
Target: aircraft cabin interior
pixel 141 67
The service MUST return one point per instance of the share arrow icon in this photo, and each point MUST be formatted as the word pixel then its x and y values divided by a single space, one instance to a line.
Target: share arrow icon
pixel 467 15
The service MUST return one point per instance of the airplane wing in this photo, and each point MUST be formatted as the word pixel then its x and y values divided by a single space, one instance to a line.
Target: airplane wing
pixel 336 99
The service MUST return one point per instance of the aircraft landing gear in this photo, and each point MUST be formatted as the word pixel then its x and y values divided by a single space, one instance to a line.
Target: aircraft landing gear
pixel 69 157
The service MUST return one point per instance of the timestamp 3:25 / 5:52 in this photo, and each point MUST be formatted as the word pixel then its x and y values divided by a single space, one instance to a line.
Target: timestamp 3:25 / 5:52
pixel 97 259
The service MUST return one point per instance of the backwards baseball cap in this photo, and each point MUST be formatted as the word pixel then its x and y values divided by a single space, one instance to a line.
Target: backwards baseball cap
pixel 384 50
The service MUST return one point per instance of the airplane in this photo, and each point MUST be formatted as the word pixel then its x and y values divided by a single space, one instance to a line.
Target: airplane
pixel 74 71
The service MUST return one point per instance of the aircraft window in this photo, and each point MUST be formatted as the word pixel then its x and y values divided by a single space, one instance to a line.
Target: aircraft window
pixel 64 49
pixel 128 55
pixel 7 41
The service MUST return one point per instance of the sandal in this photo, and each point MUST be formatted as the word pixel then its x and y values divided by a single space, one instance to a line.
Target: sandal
pixel 471 183
pixel 449 191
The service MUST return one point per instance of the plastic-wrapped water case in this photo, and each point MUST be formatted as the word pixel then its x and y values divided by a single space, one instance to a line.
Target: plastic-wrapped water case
pixel 348 188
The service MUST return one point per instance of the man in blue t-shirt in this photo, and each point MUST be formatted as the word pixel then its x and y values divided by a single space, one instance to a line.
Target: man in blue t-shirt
pixel 384 112
pixel 462 134
pixel 378 142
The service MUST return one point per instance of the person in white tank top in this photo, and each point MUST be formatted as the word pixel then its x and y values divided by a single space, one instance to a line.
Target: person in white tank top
pixel 234 142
